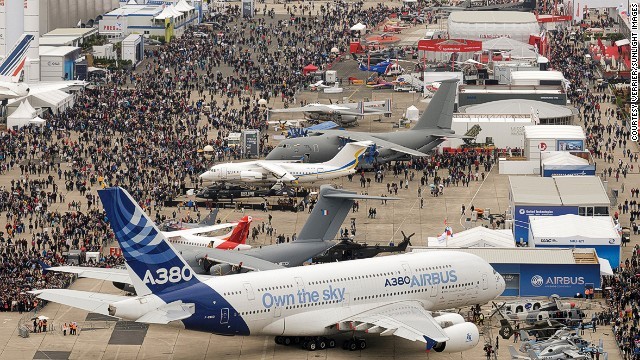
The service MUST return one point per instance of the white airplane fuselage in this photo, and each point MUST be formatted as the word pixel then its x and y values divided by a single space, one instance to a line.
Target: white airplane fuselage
pixel 249 172
pixel 309 300
pixel 207 241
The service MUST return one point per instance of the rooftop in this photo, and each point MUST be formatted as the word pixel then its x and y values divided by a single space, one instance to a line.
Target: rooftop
pixel 573 225
pixel 521 255
pixel 57 40
pixel 580 190
pixel 534 190
pixel 558 190
pixel 564 132
pixel 519 106
pixel 493 17
pixel 78 32
pixel 57 50
pixel 136 10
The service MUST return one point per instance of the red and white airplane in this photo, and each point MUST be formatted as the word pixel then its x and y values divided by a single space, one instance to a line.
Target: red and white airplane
pixel 236 239
pixel 393 28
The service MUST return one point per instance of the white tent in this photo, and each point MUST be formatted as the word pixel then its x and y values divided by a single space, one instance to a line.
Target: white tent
pixel 358 27
pixel 562 158
pixel 184 6
pixel 412 113
pixel 504 43
pixel 56 100
pixel 477 237
pixel 168 12
pixel 22 116
pixel 570 230
pixel 622 42
pixel 132 2
pixel 38 121
pixel 173 10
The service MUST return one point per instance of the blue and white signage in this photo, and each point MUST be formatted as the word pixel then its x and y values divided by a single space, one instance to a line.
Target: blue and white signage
pixel 522 213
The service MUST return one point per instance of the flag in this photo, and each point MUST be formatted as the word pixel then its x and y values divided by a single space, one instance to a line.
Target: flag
pixel 442 238
pixel 79 23
pixel 325 212
pixel 449 231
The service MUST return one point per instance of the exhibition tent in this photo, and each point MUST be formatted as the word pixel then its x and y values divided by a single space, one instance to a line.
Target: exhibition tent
pixel 21 116
pixel 504 43
pixel 183 6
pixel 477 237
pixel 358 27
pixel 56 100
pixel 412 113
pixel 309 68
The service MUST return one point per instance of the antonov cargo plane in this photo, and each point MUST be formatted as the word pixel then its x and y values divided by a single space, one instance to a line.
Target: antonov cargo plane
pixel 392 295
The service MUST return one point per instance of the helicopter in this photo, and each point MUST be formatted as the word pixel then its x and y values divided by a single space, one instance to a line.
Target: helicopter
pixel 347 249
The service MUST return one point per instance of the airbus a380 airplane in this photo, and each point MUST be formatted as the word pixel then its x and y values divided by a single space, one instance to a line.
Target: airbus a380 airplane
pixel 391 295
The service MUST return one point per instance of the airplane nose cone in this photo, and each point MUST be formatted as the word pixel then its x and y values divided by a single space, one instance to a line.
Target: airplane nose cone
pixel 501 285
pixel 206 177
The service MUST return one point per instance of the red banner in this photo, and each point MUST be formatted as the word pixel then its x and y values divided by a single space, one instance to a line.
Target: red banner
pixel 115 251
pixel 554 18
pixel 450 45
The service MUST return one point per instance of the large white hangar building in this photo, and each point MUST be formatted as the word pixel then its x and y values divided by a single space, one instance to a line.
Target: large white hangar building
pixel 483 25
pixel 66 13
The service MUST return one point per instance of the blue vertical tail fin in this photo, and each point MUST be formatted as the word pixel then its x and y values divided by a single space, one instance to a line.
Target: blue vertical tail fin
pixel 13 63
pixel 154 265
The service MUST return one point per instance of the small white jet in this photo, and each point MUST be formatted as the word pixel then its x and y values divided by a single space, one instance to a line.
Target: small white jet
pixel 276 171
pixel 318 85
pixel 399 295
pixel 235 240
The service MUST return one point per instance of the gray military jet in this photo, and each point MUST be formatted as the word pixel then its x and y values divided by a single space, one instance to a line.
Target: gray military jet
pixel 432 128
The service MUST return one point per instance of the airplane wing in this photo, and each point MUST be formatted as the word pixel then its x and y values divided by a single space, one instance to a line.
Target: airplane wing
pixel 228 257
pixel 111 274
pixel 99 303
pixel 198 230
pixel 276 170
pixel 453 136
pixel 406 319
pixel 325 125
pixel 45 86
pixel 387 144
pixel 89 301
pixel 307 108
pixel 7 93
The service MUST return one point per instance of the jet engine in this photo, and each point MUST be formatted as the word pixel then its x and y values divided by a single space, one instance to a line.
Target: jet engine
pixel 226 269
pixel 134 308
pixel 448 319
pixel 251 175
pixel 462 337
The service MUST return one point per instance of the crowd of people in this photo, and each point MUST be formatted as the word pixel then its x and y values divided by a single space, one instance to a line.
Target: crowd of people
pixel 608 141
pixel 143 127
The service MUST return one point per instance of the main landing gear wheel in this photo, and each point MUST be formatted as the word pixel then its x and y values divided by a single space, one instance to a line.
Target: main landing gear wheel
pixel 322 344
pixel 311 345
pixel 284 340
pixel 354 344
